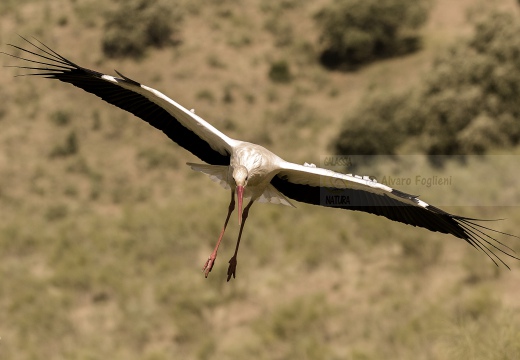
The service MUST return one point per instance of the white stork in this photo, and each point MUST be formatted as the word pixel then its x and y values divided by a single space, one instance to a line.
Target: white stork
pixel 253 172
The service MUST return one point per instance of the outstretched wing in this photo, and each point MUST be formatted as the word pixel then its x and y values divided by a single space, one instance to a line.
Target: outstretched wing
pixel 323 187
pixel 181 125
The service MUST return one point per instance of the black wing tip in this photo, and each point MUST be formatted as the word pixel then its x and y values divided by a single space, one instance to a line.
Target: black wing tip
pixel 42 55
pixel 471 221
pixel 55 65
pixel 478 238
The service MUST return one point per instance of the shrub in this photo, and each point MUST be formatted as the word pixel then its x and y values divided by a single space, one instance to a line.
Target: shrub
pixel 60 118
pixel 70 147
pixel 138 24
pixel 56 212
pixel 354 32
pixel 371 129
pixel 280 72
pixel 467 104
pixel 470 98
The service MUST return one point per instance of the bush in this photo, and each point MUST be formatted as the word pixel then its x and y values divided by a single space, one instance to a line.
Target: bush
pixel 138 24
pixel 60 118
pixel 467 104
pixel 471 97
pixel 279 72
pixel 372 129
pixel 70 147
pixel 354 32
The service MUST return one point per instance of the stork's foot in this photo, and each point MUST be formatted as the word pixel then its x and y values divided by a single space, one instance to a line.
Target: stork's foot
pixel 209 264
pixel 232 268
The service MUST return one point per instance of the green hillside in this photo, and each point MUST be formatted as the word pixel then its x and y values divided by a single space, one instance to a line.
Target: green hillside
pixel 104 229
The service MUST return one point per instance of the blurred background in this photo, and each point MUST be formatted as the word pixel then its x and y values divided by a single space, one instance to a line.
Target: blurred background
pixel 104 229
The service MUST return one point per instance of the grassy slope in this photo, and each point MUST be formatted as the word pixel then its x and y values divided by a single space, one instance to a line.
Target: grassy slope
pixel 101 250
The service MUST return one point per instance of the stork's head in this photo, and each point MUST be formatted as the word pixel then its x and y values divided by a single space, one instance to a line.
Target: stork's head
pixel 240 175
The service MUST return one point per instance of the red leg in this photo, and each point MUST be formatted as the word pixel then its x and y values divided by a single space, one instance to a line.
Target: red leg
pixel 233 261
pixel 211 259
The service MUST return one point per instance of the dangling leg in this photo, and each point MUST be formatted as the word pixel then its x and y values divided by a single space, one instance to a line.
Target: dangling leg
pixel 211 260
pixel 233 261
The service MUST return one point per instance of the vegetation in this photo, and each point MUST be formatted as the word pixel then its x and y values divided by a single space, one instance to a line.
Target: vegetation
pixel 70 147
pixel 355 32
pixel 136 25
pixel 466 105
pixel 367 130
pixel 101 246
pixel 279 72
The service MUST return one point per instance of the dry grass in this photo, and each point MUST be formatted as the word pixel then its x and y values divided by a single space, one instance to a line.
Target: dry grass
pixel 101 247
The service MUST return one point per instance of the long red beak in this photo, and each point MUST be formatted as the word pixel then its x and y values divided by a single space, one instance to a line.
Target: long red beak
pixel 240 194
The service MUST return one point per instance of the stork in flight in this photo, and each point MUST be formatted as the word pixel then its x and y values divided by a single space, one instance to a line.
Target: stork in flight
pixel 251 171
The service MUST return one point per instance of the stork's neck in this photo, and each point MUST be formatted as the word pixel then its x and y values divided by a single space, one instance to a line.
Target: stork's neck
pixel 249 158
